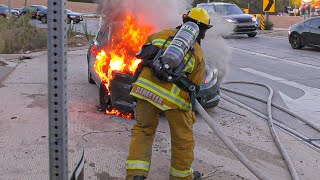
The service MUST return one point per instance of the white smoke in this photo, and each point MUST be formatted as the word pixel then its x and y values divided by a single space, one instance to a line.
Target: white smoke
pixel 215 47
pixel 159 13
pixel 168 14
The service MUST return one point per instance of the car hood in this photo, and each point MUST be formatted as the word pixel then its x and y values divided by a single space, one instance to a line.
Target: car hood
pixel 238 16
pixel 74 14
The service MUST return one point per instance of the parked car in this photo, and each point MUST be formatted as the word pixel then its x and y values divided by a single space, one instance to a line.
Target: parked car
pixel 208 96
pixel 305 33
pixel 72 16
pixel 4 11
pixel 244 23
pixel 33 9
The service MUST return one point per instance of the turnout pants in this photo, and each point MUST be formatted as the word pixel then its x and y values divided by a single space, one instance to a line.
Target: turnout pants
pixel 143 133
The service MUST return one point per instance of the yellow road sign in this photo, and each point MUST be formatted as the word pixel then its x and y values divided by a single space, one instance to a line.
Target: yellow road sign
pixel 269 5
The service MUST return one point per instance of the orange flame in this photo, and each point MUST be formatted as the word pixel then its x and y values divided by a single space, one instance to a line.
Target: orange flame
pixel 119 56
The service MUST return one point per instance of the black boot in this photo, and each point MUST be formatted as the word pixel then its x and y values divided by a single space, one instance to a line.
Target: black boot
pixel 196 175
pixel 139 178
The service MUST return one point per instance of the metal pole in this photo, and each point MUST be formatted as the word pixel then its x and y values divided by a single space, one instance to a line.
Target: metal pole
pixel 248 8
pixel 310 7
pixel 57 90
pixel 9 6
pixel 267 17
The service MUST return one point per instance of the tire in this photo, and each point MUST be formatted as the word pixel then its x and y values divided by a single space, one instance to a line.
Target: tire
pixel 252 34
pixel 68 21
pixel 90 79
pixel 295 41
pixel 44 20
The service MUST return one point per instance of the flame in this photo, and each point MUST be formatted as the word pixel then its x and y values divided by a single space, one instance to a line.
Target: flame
pixel 119 56
pixel 116 112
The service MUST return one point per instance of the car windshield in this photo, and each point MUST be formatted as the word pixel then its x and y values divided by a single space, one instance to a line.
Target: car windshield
pixel 68 11
pixel 228 9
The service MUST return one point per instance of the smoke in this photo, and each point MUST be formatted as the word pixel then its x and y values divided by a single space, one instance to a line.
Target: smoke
pixel 168 14
pixel 215 47
pixel 158 13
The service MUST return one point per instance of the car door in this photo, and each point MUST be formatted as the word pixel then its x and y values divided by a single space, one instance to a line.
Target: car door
pixel 315 31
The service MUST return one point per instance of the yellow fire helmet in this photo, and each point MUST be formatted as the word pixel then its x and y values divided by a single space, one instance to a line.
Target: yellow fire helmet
pixel 199 16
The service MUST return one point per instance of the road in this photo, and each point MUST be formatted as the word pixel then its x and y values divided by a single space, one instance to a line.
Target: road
pixel 105 139
pixel 293 75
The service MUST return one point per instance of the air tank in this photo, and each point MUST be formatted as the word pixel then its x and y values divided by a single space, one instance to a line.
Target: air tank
pixel 182 42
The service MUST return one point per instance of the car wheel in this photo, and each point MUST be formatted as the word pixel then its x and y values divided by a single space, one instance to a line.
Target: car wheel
pixel 44 20
pixel 252 34
pixel 295 41
pixel 90 79
pixel 69 21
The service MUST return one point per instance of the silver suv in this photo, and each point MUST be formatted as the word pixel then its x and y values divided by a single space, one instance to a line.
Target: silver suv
pixel 244 23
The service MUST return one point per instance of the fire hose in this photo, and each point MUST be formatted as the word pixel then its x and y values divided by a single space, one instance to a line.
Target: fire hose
pixel 215 127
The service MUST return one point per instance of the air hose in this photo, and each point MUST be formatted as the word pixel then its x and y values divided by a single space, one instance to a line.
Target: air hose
pixel 215 127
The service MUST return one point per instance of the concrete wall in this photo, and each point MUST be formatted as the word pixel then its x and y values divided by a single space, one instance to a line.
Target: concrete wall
pixel 74 6
pixel 284 21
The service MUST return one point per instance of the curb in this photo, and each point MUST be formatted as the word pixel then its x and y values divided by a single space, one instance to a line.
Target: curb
pixel 281 29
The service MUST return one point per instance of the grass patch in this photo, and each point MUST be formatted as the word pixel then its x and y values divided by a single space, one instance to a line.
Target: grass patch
pixel 19 36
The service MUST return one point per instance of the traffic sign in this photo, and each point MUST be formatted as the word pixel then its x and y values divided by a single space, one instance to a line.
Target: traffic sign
pixel 269 5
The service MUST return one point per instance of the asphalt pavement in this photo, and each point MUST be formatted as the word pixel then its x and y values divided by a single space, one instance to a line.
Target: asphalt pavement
pixel 105 139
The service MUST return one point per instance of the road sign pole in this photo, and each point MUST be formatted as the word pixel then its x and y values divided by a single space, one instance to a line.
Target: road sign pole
pixel 9 6
pixel 57 90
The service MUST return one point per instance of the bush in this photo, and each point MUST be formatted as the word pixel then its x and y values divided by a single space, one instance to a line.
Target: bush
pixel 268 25
pixel 19 35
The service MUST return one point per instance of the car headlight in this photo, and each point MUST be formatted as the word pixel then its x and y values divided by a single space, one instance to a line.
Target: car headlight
pixel 211 75
pixel 72 17
pixel 231 20
pixel 253 19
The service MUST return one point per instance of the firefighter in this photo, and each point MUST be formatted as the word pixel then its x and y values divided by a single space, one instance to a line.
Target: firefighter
pixel 154 96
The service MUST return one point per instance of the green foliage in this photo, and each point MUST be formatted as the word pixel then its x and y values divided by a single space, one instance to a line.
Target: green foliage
pixel 20 35
pixel 268 25
pixel 71 30
pixel 88 35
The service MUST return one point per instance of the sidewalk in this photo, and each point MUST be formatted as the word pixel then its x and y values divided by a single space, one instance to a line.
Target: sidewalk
pixel 24 133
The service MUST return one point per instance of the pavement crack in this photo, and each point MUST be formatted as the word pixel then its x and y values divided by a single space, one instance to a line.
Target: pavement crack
pixel 98 132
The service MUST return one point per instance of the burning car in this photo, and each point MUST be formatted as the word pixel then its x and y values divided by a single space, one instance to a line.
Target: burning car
pixel 112 63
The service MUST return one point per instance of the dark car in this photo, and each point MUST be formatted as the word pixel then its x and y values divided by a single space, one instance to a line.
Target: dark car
pixel 244 23
pixel 305 33
pixel 33 9
pixel 72 16
pixel 208 96
pixel 4 11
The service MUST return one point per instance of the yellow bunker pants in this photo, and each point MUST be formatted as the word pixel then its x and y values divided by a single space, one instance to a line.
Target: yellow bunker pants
pixel 143 132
